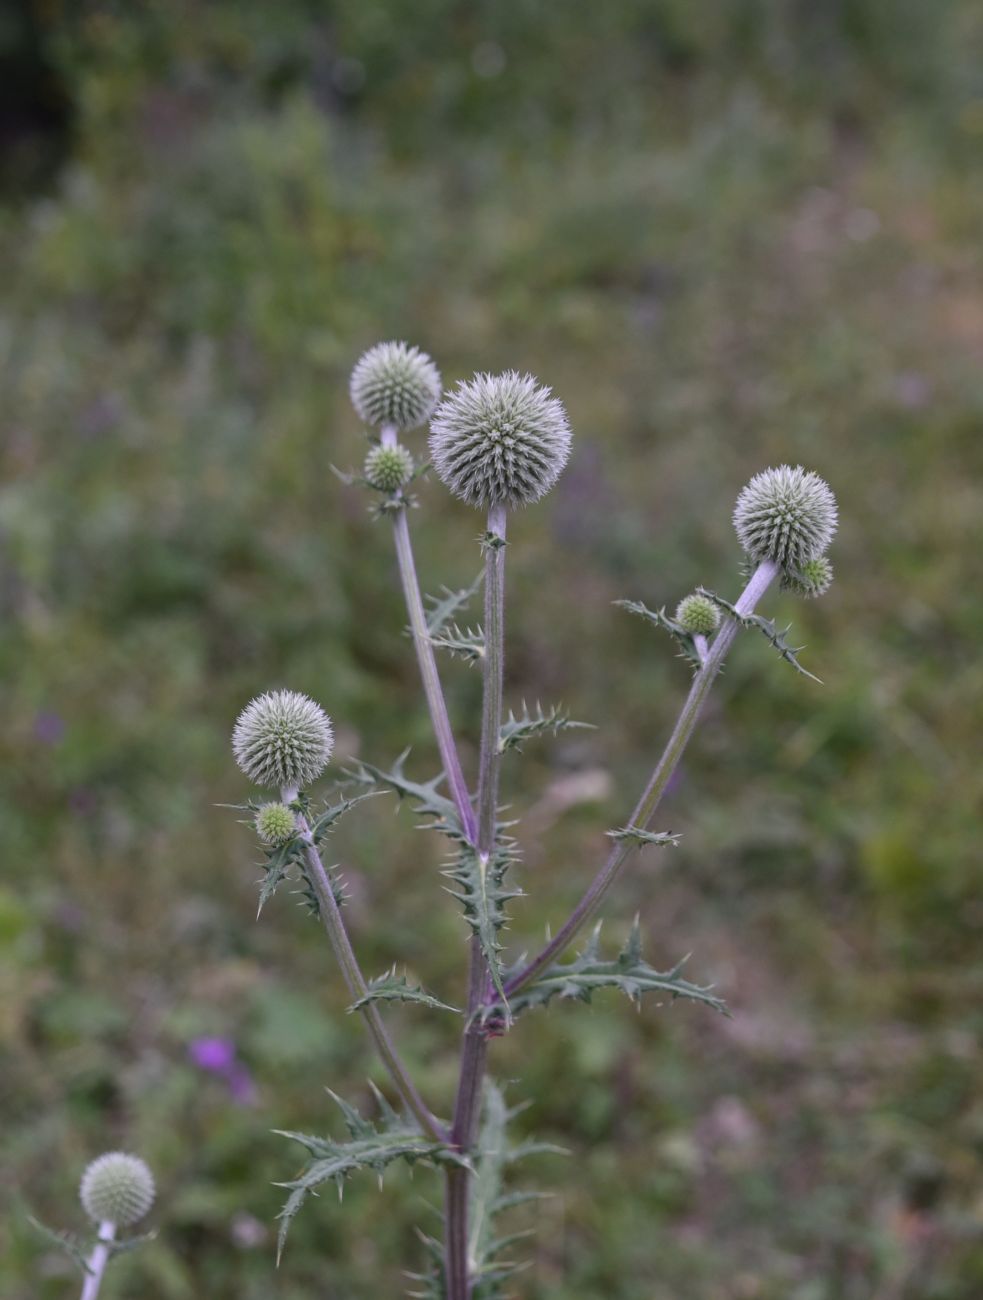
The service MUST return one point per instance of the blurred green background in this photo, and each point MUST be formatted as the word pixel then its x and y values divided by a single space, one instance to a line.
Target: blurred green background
pixel 728 235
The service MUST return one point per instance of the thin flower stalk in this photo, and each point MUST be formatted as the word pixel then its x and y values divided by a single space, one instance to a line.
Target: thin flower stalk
pixel 96 1263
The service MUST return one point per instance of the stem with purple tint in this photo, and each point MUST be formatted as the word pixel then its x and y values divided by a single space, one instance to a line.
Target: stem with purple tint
pixel 645 809
pixel 96 1263
pixel 474 1047
pixel 428 665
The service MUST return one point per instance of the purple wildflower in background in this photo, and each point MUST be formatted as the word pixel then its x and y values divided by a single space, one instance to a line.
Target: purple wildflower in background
pixel 218 1056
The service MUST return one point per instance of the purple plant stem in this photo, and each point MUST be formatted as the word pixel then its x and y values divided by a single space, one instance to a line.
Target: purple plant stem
pixel 645 809
pixel 428 665
pixel 474 1048
pixel 96 1263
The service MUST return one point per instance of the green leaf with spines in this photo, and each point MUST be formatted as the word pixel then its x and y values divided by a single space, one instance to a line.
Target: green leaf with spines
pixel 495 1156
pixel 467 643
pixel 766 626
pixel 660 619
pixel 443 609
pixel 515 731
pixel 372 1146
pixel 640 837
pixel 396 988
pixel 427 799
pixel 67 1242
pixel 280 860
pixel 582 977
pixel 483 894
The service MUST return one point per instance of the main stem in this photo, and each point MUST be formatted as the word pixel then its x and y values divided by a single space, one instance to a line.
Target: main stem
pixel 96 1263
pixel 428 665
pixel 337 932
pixel 589 904
pixel 474 1048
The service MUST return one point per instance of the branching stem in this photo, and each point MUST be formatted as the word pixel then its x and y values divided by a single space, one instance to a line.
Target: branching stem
pixel 651 797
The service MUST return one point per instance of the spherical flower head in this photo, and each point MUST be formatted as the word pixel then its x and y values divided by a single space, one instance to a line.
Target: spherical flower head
pixel 394 383
pixel 787 515
pixel 500 440
pixel 388 468
pixel 275 824
pixel 282 739
pixel 117 1187
pixel 814 578
pixel 698 614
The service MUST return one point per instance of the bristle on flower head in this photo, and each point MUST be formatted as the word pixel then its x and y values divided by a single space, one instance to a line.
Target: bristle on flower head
pixel 394 383
pixel 698 614
pixel 787 515
pixel 814 578
pixel 387 469
pixel 117 1187
pixel 282 739
pixel 500 440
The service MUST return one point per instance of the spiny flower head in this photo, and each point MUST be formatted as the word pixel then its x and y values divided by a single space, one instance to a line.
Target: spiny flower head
pixel 698 614
pixel 388 468
pixel 787 515
pixel 117 1187
pixel 500 440
pixel 814 578
pixel 394 383
pixel 282 738
pixel 275 824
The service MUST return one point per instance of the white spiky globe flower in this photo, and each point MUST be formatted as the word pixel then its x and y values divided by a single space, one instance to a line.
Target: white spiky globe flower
pixel 275 824
pixel 787 514
pixel 814 578
pixel 698 614
pixel 282 738
pixel 394 383
pixel 117 1187
pixel 500 440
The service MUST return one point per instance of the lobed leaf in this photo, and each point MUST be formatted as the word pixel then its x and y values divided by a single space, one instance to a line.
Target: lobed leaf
pixel 660 619
pixel 428 800
pixel 766 626
pixel 466 643
pixel 395 988
pixel 66 1242
pixel 483 894
pixel 443 609
pixel 516 731
pixel 639 837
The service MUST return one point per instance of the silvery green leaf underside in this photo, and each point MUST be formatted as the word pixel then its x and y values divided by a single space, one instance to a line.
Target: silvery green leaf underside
pixel 396 988
pixel 515 731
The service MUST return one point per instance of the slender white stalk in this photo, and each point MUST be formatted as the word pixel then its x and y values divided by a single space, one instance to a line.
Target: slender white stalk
pixel 96 1263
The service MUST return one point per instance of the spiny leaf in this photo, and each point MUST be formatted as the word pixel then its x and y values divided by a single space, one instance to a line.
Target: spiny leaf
pixel 445 607
pixel 660 619
pixel 588 972
pixel 395 988
pixel 467 643
pixel 66 1242
pixel 371 1146
pixel 483 893
pixel 280 860
pixel 639 837
pixel 766 626
pixel 428 800
pixel 515 731
pixel 325 822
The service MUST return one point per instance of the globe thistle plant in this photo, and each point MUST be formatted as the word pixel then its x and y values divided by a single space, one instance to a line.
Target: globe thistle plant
pixel 497 442
pixel 283 739
pixel 275 824
pixel 814 578
pixel 395 384
pixel 698 614
pixel 500 440
pixel 388 468
pixel 117 1188
pixel 787 515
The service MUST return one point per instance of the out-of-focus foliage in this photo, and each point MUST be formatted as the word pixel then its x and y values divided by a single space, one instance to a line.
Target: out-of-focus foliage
pixel 728 236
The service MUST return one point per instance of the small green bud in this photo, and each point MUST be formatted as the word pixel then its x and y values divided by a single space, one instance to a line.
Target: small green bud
pixel 394 383
pixel 117 1187
pixel 787 515
pixel 275 824
pixel 698 614
pixel 388 468
pixel 282 738
pixel 814 578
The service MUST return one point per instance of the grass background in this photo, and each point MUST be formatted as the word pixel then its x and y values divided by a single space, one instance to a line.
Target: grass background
pixel 727 235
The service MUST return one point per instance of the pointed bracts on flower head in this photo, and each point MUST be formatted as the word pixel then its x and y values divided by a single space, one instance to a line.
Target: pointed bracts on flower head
pixel 387 469
pixel 282 739
pixel 117 1187
pixel 275 824
pixel 787 515
pixel 394 383
pixel 500 440
pixel 813 579
pixel 697 615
